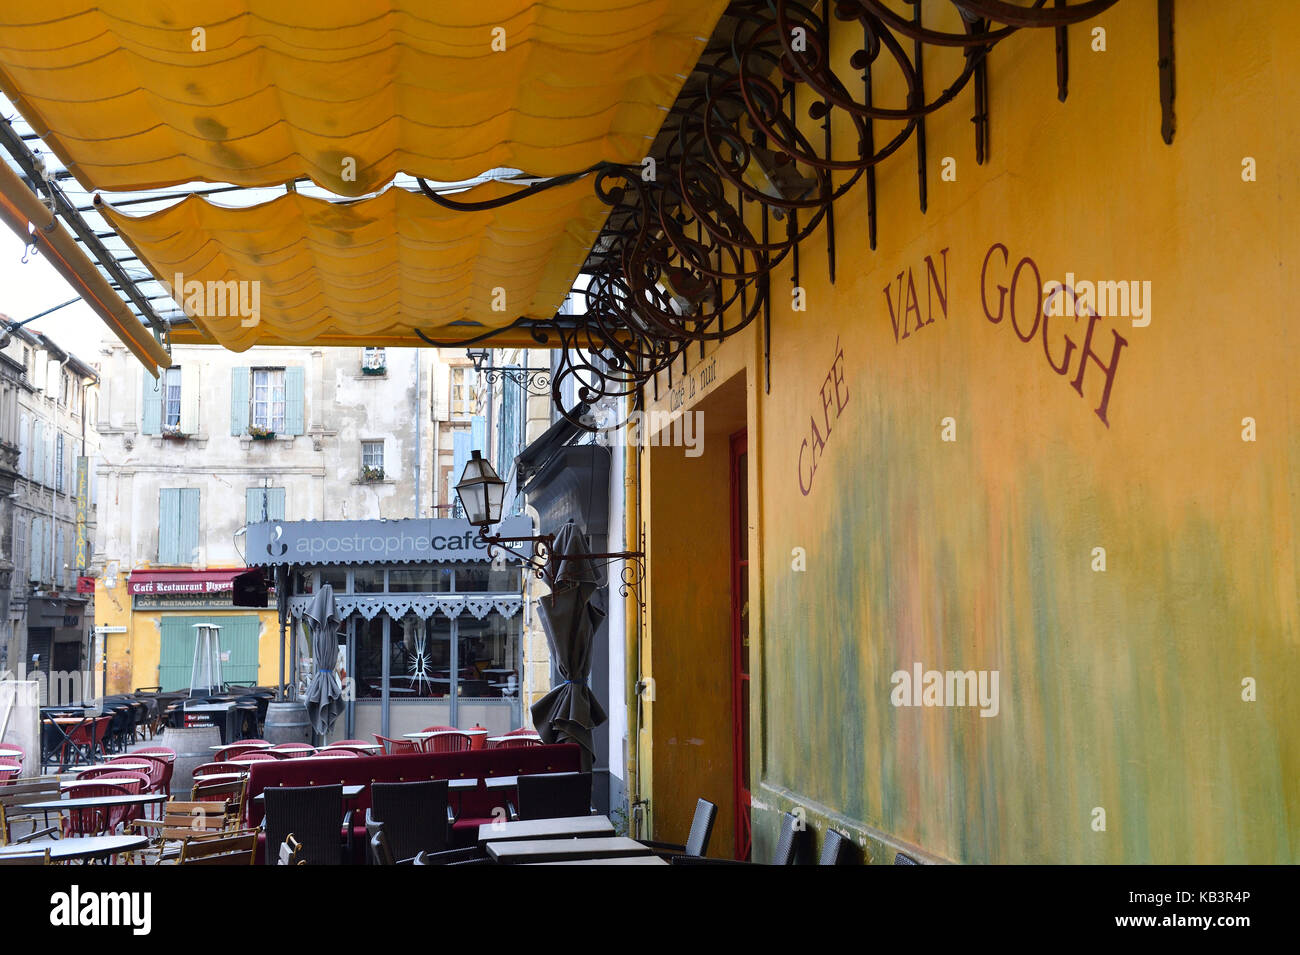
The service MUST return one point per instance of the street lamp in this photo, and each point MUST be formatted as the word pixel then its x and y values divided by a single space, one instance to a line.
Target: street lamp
pixel 482 494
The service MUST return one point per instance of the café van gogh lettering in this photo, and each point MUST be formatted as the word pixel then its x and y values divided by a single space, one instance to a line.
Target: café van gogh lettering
pixel 360 542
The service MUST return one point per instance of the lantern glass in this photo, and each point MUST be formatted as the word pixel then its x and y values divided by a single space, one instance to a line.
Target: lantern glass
pixel 481 491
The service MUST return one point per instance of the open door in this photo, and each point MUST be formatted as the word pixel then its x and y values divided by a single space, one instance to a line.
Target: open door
pixel 740 636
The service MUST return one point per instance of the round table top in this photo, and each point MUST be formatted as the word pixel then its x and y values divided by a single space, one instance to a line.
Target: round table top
pixel 110 780
pixel 6 752
pixel 245 745
pixel 128 765
pixel 92 802
pixel 80 847
pixel 218 778
pixel 352 746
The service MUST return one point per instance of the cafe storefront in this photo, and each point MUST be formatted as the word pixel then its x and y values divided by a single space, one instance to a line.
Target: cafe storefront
pixel 432 629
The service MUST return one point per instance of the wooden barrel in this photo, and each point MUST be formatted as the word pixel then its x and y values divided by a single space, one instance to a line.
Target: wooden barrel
pixel 287 723
pixel 193 747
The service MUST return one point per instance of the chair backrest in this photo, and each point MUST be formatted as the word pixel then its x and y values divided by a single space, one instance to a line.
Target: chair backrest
pixel 34 857
pixel 552 795
pixel 697 842
pixel 447 742
pixel 165 752
pixel 159 771
pixel 900 859
pixel 392 746
pixel 516 742
pixel 414 815
pixel 267 741
pixel 94 772
pixel 229 793
pixel 9 769
pixel 380 854
pixel 292 748
pixel 187 820
pixel 212 769
pixel 521 731
pixel 233 848
pixel 789 841
pixel 349 742
pixel 22 790
pixel 312 814
pixel 95 820
pixel 439 729
pixel 234 750
pixel 332 753
pixel 837 848
pixel 257 756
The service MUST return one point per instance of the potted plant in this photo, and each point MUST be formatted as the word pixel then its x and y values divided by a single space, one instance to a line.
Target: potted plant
pixel 173 432
pixel 371 474
pixel 373 369
pixel 260 434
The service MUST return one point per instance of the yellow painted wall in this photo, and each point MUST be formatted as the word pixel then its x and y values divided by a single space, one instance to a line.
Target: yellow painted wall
pixel 1119 690
pixel 133 656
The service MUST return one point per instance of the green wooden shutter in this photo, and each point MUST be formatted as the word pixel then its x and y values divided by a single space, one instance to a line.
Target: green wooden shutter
pixel 189 525
pixel 293 400
pixel 239 399
pixel 239 636
pixel 151 402
pixel 169 515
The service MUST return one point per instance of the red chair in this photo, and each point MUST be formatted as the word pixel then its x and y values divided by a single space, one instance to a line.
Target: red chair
pixel 212 769
pixel 257 755
pixel 159 771
pixel 348 742
pixel 94 772
pixel 234 751
pixel 290 750
pixel 96 820
pixel 9 769
pixel 522 731
pixel 167 755
pixel 516 742
pixel 448 743
pixel 337 752
pixel 394 746
pixel 266 741
pixel 439 729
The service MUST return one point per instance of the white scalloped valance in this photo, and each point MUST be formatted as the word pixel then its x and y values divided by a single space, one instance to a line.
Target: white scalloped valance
pixel 423 606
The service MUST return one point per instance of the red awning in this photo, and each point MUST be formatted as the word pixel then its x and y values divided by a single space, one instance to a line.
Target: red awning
pixel 183 582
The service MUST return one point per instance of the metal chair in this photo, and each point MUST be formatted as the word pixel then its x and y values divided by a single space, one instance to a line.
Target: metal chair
pixel 168 756
pixel 93 820
pixel 335 753
pixel 312 814
pixel 394 746
pixel 380 854
pixel 837 849
pixel 414 815
pixel 553 795
pixel 446 742
pixel 697 840
pixel 790 841
pixel 516 742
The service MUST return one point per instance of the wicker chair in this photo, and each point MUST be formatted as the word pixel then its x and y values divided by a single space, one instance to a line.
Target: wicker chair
pixel 394 746
pixel 213 769
pixel 166 754
pixel 9 769
pixel 471 856
pixel 336 753
pixel 516 742
pixel 790 841
pixel 414 815
pixel 448 742
pixel 380 854
pixel 93 820
pixel 553 795
pixel 697 841
pixel 837 849
pixel 311 814
pixel 235 751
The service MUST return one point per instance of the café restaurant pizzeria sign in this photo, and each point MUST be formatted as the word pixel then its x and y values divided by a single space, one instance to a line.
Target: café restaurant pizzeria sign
pixel 182 589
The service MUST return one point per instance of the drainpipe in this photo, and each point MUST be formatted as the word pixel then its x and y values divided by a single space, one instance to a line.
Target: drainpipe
pixel 419 431
pixel 632 633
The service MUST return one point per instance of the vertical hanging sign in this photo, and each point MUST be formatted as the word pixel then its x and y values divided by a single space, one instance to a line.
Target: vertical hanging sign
pixel 83 513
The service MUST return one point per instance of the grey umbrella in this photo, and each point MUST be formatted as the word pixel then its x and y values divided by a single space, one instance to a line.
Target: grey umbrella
pixel 570 711
pixel 325 694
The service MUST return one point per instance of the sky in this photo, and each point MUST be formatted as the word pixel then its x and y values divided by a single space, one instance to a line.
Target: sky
pixel 28 289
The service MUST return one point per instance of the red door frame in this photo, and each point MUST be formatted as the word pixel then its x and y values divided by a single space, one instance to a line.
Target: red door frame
pixel 739 677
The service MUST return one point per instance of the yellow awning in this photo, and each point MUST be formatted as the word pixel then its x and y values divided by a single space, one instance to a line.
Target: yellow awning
pixel 368 272
pixel 135 94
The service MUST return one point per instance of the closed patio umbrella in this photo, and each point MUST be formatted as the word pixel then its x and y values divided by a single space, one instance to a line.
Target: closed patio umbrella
pixel 324 698
pixel 570 711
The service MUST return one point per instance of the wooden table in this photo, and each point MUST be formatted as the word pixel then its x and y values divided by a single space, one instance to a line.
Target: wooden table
pixel 619 860
pixel 567 827
pixel 559 850
pixel 83 847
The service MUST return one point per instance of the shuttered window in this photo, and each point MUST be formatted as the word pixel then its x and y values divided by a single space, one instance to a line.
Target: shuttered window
pixel 37 567
pixel 38 452
pixel 22 555
pixel 256 497
pixel 60 469
pixel 24 451
pixel 151 403
pixel 178 525
pixel 510 435
pixel 460 448
pixel 273 399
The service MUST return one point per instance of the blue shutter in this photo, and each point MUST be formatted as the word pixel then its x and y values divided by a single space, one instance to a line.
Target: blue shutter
pixel 37 551
pixel 275 504
pixel 460 455
pixel 189 525
pixel 239 400
pixel 293 400
pixel 38 452
pixel 151 400
pixel 169 513
pixel 253 504
pixel 60 580
pixel 24 456
pixel 478 434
